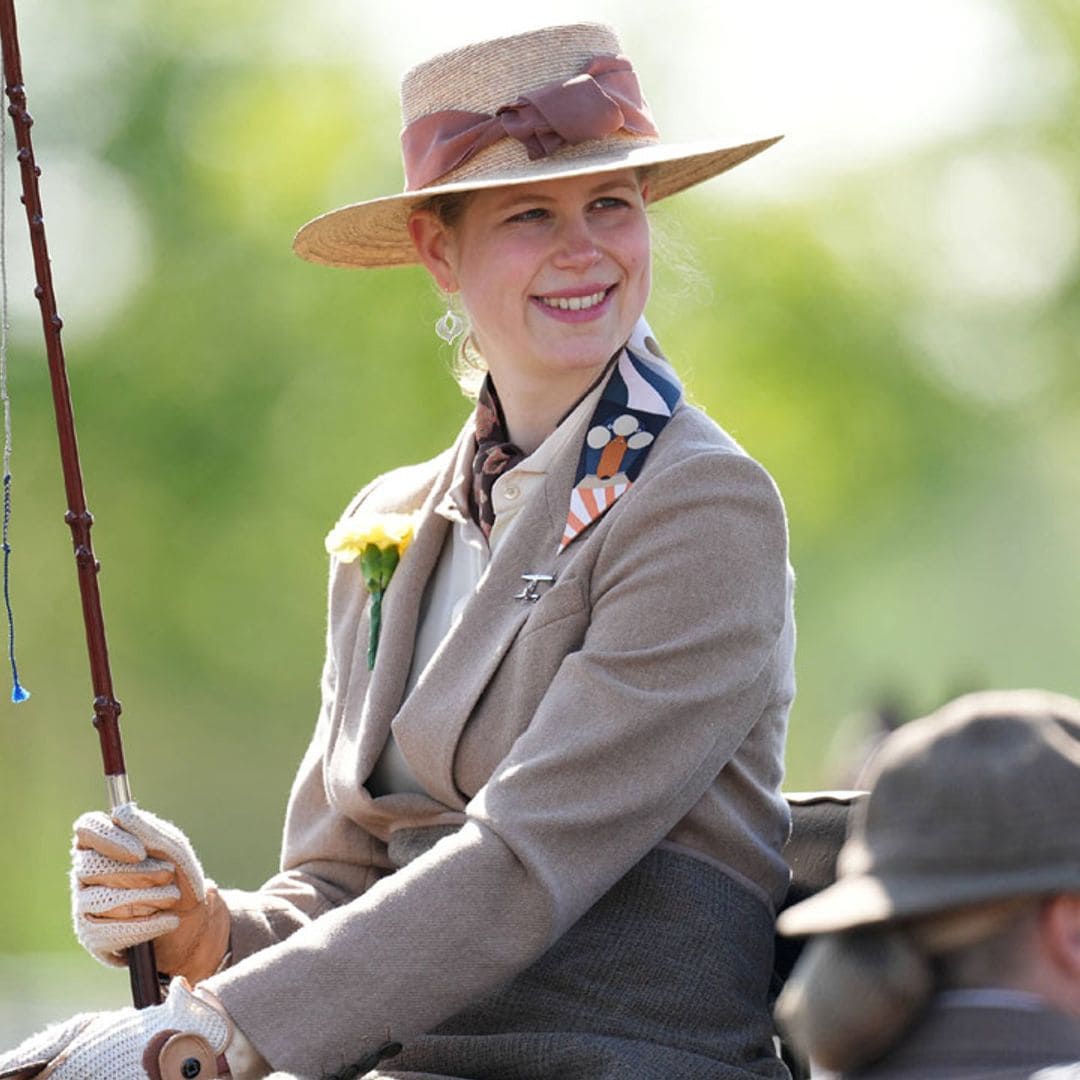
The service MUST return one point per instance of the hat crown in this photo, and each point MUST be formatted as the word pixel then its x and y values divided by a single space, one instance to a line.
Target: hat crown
pixel 985 790
pixel 486 75
pixel 548 104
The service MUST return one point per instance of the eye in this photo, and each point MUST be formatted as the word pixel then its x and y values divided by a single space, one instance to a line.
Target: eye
pixel 609 202
pixel 536 213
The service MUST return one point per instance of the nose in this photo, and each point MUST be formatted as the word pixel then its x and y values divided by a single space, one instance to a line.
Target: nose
pixel 577 248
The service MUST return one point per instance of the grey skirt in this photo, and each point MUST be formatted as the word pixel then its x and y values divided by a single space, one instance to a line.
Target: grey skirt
pixel 666 977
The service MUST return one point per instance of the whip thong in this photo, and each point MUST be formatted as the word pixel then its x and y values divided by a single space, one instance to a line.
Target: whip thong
pixel 144 980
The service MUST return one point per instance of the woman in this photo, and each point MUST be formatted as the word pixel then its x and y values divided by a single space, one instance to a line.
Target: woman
pixel 537 832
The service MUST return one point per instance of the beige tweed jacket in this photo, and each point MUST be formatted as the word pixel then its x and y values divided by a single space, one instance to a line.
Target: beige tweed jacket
pixel 641 700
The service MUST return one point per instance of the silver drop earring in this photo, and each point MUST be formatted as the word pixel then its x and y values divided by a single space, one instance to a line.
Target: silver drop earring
pixel 449 325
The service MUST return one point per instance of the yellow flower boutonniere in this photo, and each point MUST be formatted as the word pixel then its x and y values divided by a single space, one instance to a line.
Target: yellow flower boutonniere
pixel 378 541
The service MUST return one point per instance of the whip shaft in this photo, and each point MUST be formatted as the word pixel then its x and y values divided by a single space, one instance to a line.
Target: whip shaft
pixel 144 981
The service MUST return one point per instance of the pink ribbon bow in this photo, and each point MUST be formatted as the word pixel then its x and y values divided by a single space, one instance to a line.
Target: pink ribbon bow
pixel 604 99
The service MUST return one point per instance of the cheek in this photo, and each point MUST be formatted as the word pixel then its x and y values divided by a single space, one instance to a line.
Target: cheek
pixel 645 265
pixel 639 266
pixel 487 298
pixel 495 278
pixel 635 251
pixel 643 248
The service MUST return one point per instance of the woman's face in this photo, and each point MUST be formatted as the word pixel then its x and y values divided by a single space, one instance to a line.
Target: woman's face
pixel 553 275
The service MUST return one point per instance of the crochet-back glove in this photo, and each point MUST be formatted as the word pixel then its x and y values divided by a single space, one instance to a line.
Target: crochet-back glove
pixel 184 1038
pixel 135 878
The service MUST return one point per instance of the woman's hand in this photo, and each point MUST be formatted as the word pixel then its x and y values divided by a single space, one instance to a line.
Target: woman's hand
pixel 183 1038
pixel 135 878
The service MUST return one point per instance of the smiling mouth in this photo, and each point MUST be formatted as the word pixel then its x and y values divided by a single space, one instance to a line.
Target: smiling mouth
pixel 575 303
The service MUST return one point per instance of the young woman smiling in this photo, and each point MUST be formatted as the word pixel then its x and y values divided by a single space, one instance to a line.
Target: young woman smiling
pixel 537 832
pixel 553 276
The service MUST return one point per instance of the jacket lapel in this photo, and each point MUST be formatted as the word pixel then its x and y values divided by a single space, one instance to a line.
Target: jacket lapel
pixel 380 690
pixel 430 722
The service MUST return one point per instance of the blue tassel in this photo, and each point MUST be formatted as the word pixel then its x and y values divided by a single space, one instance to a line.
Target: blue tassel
pixel 18 693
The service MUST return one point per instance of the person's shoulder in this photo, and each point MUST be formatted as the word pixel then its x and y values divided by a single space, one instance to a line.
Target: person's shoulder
pixel 695 444
pixel 401 490
pixel 692 430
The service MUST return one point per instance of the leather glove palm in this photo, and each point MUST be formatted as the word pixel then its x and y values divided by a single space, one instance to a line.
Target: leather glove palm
pixel 136 878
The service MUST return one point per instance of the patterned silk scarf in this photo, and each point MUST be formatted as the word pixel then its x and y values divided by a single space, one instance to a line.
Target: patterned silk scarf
pixel 636 405
pixel 639 398
pixel 495 454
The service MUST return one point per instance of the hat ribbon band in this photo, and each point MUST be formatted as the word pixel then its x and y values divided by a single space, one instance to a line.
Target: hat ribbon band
pixel 604 99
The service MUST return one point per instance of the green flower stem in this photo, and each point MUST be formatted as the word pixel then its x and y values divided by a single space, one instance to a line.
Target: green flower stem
pixel 376 622
pixel 377 566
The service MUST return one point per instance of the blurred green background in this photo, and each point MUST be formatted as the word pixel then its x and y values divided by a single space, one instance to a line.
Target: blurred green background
pixel 885 310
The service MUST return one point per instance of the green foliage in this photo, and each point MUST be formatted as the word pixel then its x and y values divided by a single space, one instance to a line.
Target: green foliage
pixel 925 439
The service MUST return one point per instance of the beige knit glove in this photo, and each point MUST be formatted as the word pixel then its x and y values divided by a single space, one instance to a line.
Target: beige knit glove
pixel 182 1039
pixel 135 878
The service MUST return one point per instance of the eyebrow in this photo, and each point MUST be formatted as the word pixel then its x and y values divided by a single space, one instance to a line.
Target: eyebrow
pixel 528 195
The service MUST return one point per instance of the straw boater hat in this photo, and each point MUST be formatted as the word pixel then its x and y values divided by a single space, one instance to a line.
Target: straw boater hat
pixel 975 803
pixel 551 103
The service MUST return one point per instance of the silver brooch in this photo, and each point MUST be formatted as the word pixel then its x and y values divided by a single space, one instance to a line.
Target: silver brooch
pixel 532 586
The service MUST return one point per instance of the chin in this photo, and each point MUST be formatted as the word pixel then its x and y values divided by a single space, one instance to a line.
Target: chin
pixel 586 354
pixel 581 362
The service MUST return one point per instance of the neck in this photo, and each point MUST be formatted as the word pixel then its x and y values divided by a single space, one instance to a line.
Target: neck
pixel 533 407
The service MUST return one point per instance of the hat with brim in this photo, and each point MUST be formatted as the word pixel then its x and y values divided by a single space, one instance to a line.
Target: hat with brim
pixel 545 105
pixel 870 900
pixel 978 802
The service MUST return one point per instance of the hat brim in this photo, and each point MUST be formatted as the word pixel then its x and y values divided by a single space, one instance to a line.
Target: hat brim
pixel 865 900
pixel 374 233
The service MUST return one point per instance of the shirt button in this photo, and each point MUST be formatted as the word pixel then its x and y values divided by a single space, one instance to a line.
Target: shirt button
pixel 511 491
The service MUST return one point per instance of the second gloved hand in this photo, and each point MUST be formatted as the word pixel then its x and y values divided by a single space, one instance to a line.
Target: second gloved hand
pixel 136 878
pixel 184 1037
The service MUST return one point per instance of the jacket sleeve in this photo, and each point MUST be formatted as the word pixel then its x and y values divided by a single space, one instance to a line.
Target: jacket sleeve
pixel 689 633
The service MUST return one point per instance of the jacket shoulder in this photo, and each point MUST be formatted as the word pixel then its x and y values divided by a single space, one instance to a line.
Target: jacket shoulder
pixel 693 436
pixel 694 430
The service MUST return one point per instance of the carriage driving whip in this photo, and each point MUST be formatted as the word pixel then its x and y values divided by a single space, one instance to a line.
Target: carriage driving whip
pixel 144 980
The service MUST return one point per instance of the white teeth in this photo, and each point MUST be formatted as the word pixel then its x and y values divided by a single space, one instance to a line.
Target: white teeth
pixel 574 303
